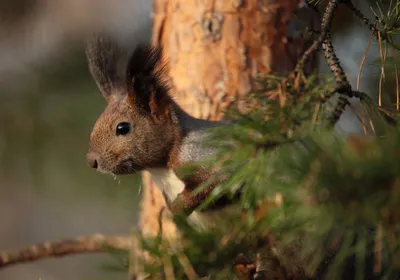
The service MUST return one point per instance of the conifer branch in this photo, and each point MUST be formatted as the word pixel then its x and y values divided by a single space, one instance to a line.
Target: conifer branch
pixel 339 109
pixel 366 21
pixel 340 78
pixel 325 26
pixel 324 39
pixel 97 243
pixel 334 63
pixel 344 88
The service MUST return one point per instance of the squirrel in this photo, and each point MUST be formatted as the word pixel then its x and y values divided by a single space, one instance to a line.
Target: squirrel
pixel 143 128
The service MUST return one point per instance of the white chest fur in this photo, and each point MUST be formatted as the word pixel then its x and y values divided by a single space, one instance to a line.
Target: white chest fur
pixel 167 181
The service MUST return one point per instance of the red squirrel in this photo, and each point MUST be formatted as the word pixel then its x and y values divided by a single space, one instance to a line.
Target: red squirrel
pixel 143 128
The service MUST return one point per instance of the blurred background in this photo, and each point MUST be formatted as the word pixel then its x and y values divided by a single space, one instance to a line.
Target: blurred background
pixel 48 105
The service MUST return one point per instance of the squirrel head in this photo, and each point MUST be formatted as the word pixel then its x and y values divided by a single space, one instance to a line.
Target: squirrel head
pixel 137 130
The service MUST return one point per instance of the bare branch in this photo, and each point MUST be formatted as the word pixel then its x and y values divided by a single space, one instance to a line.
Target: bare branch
pixel 97 243
pixel 344 88
pixel 366 21
pixel 340 77
pixel 334 63
pixel 325 26
pixel 339 109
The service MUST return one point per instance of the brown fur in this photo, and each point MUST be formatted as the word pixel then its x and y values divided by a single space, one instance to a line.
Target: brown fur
pixel 140 97
pixel 107 64
pixel 146 146
pixel 142 101
pixel 187 201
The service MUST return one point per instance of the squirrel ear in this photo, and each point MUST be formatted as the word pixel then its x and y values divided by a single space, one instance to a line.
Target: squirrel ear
pixel 147 86
pixel 106 64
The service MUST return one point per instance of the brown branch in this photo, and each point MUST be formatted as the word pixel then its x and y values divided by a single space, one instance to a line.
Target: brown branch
pixel 325 26
pixel 344 88
pixel 97 243
pixel 334 63
pixel 338 110
pixel 340 77
pixel 325 40
pixel 366 21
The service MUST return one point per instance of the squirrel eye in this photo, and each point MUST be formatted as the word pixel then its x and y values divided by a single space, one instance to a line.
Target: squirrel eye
pixel 123 128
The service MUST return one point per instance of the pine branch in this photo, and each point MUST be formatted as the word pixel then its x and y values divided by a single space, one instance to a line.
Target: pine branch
pixel 343 86
pixel 334 63
pixel 340 77
pixel 325 40
pixel 325 26
pixel 97 243
pixel 366 21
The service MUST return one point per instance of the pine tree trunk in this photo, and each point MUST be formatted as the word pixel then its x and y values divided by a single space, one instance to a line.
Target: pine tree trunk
pixel 215 49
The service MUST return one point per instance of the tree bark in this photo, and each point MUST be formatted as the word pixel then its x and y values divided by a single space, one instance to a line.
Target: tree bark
pixel 215 49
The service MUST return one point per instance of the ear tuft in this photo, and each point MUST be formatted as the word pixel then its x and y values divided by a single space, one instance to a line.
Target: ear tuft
pixel 144 61
pixel 106 63
pixel 146 80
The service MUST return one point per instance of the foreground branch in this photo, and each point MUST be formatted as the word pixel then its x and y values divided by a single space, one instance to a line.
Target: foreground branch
pixel 89 244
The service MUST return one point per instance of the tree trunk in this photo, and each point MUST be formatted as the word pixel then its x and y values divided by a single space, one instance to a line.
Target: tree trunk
pixel 214 50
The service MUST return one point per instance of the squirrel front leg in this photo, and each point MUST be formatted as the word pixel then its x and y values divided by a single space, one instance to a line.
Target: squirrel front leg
pixel 192 175
pixel 267 266
pixel 186 202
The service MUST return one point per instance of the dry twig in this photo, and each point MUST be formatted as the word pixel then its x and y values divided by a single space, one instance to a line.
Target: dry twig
pixel 340 77
pixel 325 26
pixel 366 21
pixel 97 243
pixel 363 61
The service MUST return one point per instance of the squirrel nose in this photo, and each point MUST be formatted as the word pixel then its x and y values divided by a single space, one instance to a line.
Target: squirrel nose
pixel 91 160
